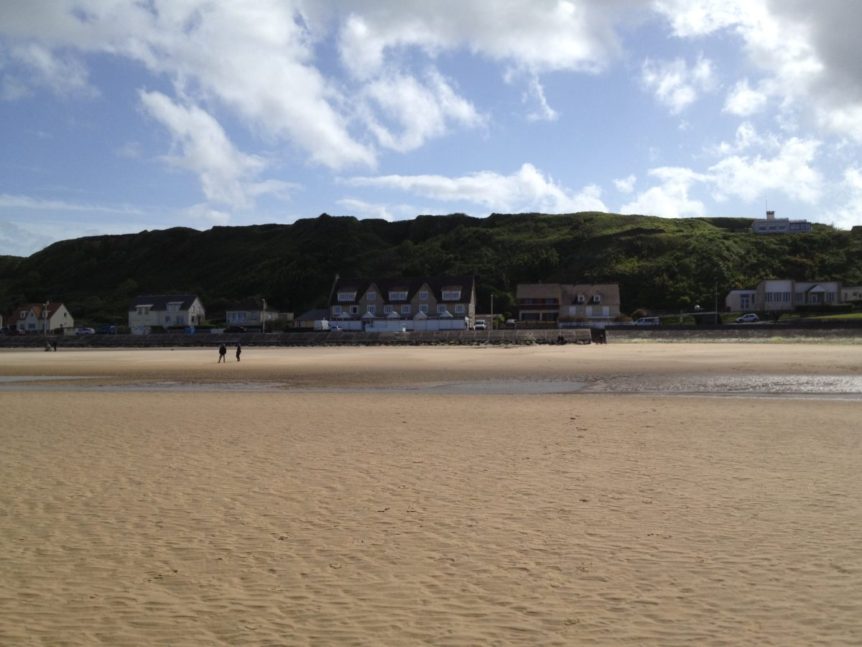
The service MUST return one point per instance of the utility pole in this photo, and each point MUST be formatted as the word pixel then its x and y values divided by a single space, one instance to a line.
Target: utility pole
pixel 491 327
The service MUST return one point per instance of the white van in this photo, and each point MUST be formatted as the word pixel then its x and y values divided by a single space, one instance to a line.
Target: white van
pixel 480 325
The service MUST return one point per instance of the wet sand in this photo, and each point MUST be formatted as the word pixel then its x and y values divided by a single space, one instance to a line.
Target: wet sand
pixel 359 498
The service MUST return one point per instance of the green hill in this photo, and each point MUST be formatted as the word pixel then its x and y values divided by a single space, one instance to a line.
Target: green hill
pixel 660 264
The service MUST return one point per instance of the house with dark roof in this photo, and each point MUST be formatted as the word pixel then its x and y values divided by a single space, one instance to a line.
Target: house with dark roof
pixel 165 310
pixel 424 303
pixel 41 317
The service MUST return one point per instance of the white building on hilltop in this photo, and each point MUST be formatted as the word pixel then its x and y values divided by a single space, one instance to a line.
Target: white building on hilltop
pixel 773 225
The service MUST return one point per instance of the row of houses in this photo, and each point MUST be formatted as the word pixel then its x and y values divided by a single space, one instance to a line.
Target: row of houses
pixel 430 303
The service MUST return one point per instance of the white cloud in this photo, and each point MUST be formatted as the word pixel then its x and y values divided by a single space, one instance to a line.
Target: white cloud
pixel 849 213
pixel 206 215
pixel 674 83
pixel 540 36
pixel 11 201
pixel 807 51
pixel 389 212
pixel 19 240
pixel 790 172
pixel 744 101
pixel 421 111
pixel 226 174
pixel 32 66
pixel 670 198
pixel 526 190
pixel 626 184
pixel 535 95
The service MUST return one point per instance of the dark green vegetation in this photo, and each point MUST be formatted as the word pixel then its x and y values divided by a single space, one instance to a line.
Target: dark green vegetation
pixel 660 264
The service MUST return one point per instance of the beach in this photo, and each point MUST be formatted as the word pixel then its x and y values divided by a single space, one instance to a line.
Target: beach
pixel 662 494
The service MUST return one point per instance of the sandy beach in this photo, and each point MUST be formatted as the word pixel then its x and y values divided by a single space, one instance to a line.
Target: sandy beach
pixel 622 495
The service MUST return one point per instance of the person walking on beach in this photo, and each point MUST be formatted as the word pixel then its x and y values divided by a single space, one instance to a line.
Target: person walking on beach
pixel 222 354
pixel 238 351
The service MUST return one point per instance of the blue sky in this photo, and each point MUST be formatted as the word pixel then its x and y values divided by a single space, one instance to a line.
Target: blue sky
pixel 119 116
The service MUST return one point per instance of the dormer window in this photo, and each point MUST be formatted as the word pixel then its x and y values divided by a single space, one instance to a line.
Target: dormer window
pixel 398 295
pixel 371 296
pixel 597 298
pixel 581 299
pixel 451 294
pixel 347 296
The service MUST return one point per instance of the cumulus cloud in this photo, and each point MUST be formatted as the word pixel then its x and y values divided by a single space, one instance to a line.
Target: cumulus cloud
pixel 420 110
pixel 626 184
pixel 807 52
pixel 541 36
pixel 226 174
pixel 525 190
pixel 791 172
pixel 675 84
pixel 745 101
pixel 670 197
pixel 849 213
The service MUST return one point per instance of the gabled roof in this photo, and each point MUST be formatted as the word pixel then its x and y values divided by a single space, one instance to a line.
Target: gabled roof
pixel 411 285
pixel 609 293
pixel 37 309
pixel 161 301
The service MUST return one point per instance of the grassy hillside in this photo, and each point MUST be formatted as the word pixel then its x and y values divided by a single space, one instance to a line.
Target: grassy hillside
pixel 662 264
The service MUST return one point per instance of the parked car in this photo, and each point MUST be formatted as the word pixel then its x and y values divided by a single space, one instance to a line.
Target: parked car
pixel 480 325
pixel 748 317
pixel 648 321
pixel 84 330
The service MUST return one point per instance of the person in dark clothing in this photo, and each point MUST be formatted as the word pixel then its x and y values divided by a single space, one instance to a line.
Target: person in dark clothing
pixel 238 351
pixel 222 353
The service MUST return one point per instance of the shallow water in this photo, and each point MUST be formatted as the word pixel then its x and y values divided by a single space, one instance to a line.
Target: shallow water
pixel 816 386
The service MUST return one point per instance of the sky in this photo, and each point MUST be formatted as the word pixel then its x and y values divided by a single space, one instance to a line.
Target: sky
pixel 123 116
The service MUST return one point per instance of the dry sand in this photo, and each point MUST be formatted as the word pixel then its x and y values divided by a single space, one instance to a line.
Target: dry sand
pixel 392 516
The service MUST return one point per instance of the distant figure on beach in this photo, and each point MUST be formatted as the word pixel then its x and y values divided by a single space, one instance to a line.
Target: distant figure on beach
pixel 54 345
pixel 222 353
pixel 238 351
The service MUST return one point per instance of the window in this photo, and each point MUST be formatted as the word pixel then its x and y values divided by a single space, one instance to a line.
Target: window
pixel 371 296
pixel 423 295
pixel 597 298
pixel 372 310
pixel 423 307
pixel 354 310
pixel 581 299
pixel 398 295
pixel 451 295
pixel 336 311
pixel 387 309
pixel 441 308
pixel 405 309
pixel 347 296
pixel 459 308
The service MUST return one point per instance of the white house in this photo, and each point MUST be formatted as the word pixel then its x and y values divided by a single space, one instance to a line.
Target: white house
pixel 773 225
pixel 166 310
pixel 41 317
pixel 851 294
pixel 784 295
